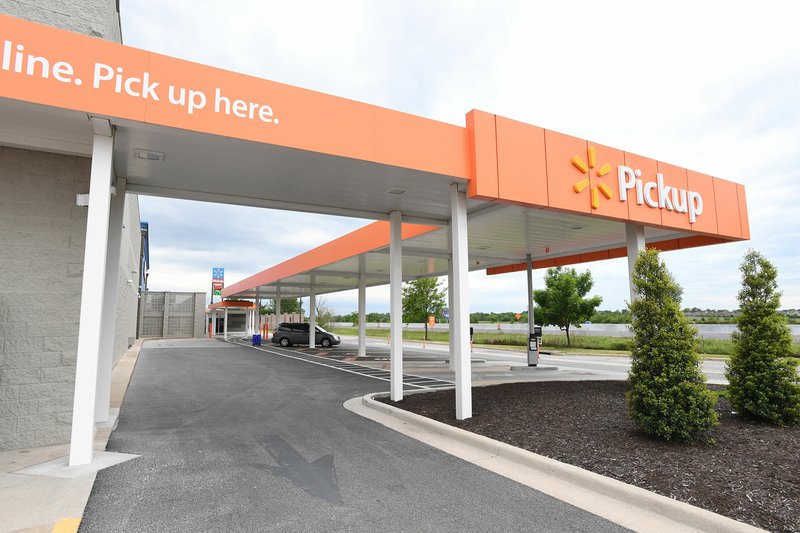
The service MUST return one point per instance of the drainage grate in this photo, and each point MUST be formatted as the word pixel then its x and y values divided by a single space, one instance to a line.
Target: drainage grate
pixel 409 380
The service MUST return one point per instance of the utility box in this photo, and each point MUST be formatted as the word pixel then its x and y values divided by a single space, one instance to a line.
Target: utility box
pixel 533 349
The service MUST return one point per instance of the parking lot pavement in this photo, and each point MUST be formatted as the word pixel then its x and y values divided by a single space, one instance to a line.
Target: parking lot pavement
pixel 236 439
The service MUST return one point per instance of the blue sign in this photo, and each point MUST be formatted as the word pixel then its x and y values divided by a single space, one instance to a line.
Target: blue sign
pixel 218 273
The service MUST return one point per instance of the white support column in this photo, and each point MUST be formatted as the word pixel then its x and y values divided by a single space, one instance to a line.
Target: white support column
pixel 450 321
pixel 533 355
pixel 634 234
pixel 312 316
pixel 362 307
pixel 214 323
pixel 460 310
pixel 258 316
pixel 225 325
pixel 278 307
pixel 81 449
pixel 396 304
pixel 108 325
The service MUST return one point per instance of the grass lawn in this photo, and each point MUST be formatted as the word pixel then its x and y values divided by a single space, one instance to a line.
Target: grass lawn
pixel 580 343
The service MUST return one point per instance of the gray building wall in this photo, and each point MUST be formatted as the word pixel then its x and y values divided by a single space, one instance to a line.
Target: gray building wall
pixel 42 239
pixel 42 236
pixel 128 293
pixel 172 314
pixel 98 18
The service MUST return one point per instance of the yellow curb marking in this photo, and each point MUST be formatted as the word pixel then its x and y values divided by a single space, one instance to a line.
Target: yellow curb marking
pixel 67 525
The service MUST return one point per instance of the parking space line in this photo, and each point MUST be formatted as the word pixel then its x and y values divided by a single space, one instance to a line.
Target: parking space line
pixel 410 380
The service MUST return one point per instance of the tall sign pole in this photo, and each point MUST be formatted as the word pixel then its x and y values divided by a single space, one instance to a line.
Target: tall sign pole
pixel 217 282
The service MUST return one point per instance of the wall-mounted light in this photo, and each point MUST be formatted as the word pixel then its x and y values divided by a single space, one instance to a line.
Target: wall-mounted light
pixel 148 155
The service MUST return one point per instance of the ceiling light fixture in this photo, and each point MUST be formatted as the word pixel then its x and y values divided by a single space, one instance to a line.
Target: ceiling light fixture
pixel 149 155
pixel 576 227
pixel 395 190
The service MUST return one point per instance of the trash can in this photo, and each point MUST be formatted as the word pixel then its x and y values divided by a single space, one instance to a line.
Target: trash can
pixel 256 340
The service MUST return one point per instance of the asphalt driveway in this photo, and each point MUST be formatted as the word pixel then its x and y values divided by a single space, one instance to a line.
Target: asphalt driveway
pixel 236 439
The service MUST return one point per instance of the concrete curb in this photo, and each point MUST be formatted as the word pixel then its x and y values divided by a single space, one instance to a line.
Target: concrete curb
pixel 629 506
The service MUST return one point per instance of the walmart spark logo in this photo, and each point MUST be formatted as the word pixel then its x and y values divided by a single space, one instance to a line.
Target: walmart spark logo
pixel 579 186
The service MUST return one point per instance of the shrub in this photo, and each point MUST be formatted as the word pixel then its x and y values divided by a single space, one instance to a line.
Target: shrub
pixel 764 383
pixel 668 397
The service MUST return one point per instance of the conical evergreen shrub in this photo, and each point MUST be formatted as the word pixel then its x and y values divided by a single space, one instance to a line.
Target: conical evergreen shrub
pixel 764 383
pixel 668 397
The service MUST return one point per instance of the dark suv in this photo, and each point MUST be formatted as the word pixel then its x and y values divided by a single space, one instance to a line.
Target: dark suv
pixel 297 333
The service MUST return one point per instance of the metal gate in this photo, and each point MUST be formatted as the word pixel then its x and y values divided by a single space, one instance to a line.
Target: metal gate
pixel 168 314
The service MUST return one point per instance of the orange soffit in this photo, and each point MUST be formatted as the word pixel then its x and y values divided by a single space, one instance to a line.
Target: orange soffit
pixel 524 164
pixel 45 65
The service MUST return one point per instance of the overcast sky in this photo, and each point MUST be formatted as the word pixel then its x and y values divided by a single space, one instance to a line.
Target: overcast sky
pixel 711 86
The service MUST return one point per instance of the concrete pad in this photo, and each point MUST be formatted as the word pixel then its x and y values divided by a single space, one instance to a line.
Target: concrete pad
pixel 39 493
pixel 60 468
pixel 539 368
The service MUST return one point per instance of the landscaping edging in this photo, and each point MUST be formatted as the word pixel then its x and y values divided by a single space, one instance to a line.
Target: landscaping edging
pixel 619 502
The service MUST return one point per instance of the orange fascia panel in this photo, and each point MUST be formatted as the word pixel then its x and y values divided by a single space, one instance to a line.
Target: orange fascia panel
pixel 611 253
pixel 80 52
pixel 676 196
pixel 699 240
pixel 594 256
pixel 664 246
pixel 231 303
pixel 409 141
pixel 727 205
pixel 615 253
pixel 562 174
pixel 603 178
pixel 368 238
pixel 521 163
pixel 706 222
pixel 643 213
pixel 482 136
pixel 105 78
pixel 745 220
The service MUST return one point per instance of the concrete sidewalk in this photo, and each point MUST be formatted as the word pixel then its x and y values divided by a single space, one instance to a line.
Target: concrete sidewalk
pixel 43 502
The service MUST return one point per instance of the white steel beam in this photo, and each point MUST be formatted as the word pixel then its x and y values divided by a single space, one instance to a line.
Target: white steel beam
pixel 312 316
pixel 634 234
pixel 81 450
pixel 165 192
pixel 396 305
pixel 450 322
pixel 533 356
pixel 362 307
pixel 225 325
pixel 278 307
pixel 460 310
pixel 108 325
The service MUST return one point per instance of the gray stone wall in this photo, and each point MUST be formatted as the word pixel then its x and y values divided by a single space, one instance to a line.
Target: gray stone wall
pixel 98 18
pixel 128 293
pixel 200 320
pixel 42 237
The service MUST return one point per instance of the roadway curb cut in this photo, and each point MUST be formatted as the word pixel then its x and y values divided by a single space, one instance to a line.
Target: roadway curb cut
pixel 629 506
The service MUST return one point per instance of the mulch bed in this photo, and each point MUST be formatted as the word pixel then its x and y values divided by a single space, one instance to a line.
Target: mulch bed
pixel 751 473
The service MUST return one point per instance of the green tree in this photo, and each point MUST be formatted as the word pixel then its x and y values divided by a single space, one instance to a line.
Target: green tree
pixel 288 305
pixel 764 383
pixel 422 298
pixel 377 317
pixel 562 303
pixel 668 397
pixel 323 313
